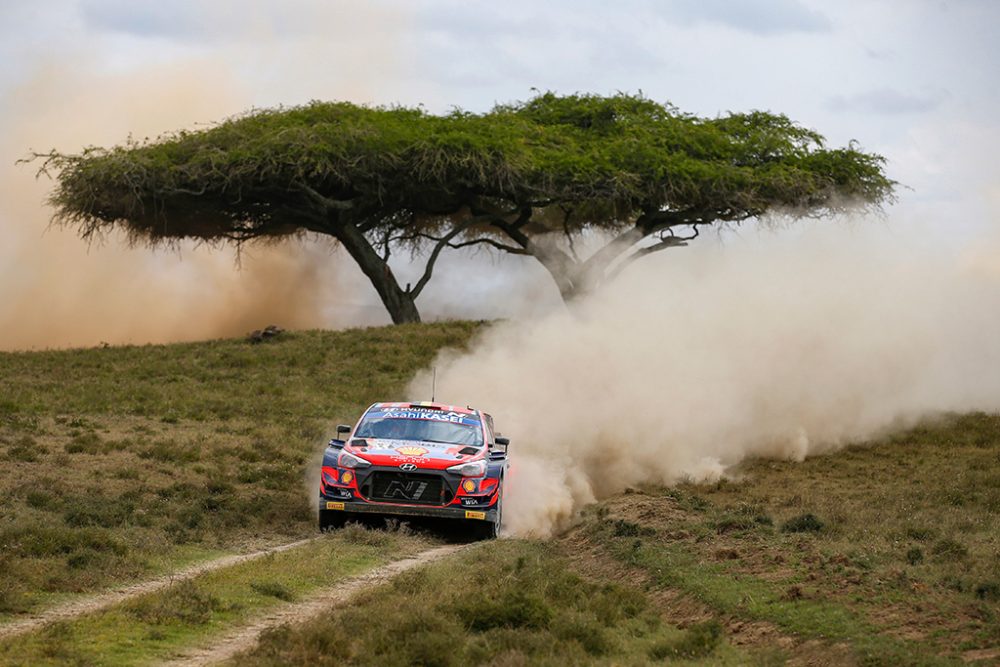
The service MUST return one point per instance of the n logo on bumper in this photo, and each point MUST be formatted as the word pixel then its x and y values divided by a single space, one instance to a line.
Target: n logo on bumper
pixel 405 490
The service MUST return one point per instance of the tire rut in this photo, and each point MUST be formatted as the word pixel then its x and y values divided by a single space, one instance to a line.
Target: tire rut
pixel 245 636
pixel 93 603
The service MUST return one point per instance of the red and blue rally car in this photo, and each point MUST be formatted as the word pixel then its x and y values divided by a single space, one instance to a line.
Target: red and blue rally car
pixel 416 459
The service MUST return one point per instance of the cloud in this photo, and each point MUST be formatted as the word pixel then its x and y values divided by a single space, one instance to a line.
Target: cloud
pixel 236 20
pixel 886 101
pixel 762 17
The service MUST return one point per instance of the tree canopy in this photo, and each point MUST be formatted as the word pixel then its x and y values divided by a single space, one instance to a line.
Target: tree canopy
pixel 527 178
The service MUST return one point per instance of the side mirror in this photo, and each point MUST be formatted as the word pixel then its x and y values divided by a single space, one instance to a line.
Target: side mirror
pixel 500 454
pixel 343 428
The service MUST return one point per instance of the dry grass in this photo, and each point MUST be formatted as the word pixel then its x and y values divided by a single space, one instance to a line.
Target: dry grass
pixel 512 602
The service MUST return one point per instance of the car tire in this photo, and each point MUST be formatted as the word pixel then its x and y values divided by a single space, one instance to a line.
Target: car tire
pixel 490 530
pixel 331 520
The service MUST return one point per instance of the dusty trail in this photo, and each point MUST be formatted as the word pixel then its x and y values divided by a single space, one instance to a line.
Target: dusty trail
pixel 93 603
pixel 242 638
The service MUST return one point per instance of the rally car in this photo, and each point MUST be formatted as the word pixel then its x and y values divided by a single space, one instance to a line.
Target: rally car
pixel 416 459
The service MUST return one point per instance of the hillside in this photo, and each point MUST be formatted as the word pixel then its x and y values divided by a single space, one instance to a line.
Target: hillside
pixel 122 465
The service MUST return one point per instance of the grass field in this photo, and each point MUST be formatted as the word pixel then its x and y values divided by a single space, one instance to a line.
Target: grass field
pixel 888 552
pixel 120 464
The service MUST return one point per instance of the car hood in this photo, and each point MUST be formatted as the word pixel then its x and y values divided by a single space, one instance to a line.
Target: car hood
pixel 429 455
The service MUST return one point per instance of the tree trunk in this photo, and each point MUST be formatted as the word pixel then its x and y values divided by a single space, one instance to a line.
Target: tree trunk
pixel 564 270
pixel 572 277
pixel 576 278
pixel 401 305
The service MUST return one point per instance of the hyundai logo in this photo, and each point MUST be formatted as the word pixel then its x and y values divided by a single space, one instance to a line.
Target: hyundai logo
pixel 408 467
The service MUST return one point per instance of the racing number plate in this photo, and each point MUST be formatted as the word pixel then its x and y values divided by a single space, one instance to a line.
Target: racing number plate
pixel 469 514
pixel 334 506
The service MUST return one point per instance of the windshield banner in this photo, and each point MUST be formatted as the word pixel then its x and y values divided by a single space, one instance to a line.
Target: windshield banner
pixel 432 415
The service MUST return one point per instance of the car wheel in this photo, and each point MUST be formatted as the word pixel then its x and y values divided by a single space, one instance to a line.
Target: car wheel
pixel 490 530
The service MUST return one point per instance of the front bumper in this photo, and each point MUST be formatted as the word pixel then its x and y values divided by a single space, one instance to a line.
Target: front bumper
pixel 480 514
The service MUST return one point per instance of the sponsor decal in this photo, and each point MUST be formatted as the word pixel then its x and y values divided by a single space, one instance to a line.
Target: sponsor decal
pixel 435 415
pixel 469 486
pixel 412 451
pixel 334 506
pixel 469 514
pixel 347 477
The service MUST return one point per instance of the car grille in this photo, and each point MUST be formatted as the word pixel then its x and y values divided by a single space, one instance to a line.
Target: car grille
pixel 402 487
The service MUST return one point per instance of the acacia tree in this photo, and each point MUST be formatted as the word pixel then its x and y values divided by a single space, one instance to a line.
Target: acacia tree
pixel 640 177
pixel 530 178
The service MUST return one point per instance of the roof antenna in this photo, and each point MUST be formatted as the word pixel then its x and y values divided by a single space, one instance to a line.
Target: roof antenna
pixel 434 384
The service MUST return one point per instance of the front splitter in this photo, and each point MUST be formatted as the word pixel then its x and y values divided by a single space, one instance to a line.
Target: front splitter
pixel 396 510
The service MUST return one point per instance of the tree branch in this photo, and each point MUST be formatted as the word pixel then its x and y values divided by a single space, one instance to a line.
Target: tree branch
pixel 669 241
pixel 323 202
pixel 492 242
pixel 414 292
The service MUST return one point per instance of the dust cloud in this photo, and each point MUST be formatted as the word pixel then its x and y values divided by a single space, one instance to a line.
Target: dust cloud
pixel 55 290
pixel 94 83
pixel 786 345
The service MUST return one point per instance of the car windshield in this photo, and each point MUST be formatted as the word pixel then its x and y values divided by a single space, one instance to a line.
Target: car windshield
pixel 428 430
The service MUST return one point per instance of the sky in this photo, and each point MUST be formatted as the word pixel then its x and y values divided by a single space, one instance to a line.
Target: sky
pixel 914 81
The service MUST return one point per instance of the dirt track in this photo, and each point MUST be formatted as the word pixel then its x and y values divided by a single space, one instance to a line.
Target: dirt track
pixel 97 602
pixel 241 638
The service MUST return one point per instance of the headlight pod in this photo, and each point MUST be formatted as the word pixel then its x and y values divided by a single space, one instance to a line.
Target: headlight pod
pixel 471 469
pixel 348 460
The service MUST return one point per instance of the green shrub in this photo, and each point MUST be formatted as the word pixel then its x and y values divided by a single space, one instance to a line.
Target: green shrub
pixel 25 449
pixel 40 541
pixel 273 589
pixel 697 641
pixel 183 603
pixel 97 511
pixel 84 443
pixel 949 549
pixel 623 528
pixel 516 609
pixel 989 590
pixel 42 500
pixel 733 523
pixel 921 534
pixel 586 631
pixel 170 451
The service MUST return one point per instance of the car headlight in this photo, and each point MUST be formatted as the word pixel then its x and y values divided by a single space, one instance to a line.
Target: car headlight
pixel 471 469
pixel 348 460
